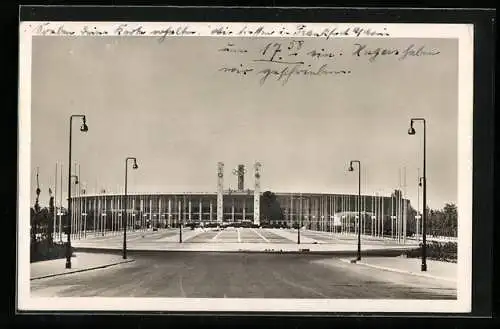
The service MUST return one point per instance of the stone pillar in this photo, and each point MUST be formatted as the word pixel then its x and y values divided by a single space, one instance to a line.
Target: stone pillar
pixel 159 211
pixel 232 210
pixel 200 216
pixel 244 207
pixel 189 210
pixel 169 212
pixel 179 212
pixel 211 211
pixel 151 211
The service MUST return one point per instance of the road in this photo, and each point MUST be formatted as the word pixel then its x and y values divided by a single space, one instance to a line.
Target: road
pixel 241 275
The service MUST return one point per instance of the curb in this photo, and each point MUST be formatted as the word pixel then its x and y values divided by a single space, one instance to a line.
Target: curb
pixel 345 253
pixel 399 271
pixel 82 270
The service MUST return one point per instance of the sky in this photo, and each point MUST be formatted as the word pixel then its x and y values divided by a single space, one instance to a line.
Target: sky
pixel 169 105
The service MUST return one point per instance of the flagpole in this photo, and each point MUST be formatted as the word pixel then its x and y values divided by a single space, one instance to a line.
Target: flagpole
pixel 95 209
pixel 54 234
pixel 79 213
pixel 418 206
pixel 392 214
pixel 60 204
pixel 405 205
pixel 398 206
pixel 86 214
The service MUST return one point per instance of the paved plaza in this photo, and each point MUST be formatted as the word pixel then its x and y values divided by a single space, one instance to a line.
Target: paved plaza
pixel 238 239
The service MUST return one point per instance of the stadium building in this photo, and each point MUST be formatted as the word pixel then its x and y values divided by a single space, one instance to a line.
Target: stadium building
pixel 244 207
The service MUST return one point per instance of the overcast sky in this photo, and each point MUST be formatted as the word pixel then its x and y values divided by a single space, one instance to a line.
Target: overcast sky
pixel 169 105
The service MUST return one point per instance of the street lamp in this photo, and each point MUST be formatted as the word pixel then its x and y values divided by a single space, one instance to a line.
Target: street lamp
pixel 423 183
pixel 351 168
pixel 83 128
pixel 124 218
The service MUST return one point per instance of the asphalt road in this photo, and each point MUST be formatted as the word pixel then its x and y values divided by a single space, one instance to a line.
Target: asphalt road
pixel 240 275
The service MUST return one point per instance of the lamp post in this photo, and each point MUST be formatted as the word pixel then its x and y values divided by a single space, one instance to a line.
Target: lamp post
pixel 124 217
pixel 423 182
pixel 180 230
pixel 351 168
pixel 83 128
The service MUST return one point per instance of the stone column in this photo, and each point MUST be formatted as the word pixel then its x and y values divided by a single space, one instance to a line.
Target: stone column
pixel 211 211
pixel 179 212
pixel 159 211
pixel 151 211
pixel 232 210
pixel 169 212
pixel 200 217
pixel 244 208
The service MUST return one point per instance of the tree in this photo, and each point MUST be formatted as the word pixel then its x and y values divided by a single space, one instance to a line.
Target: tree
pixel 270 208
pixel 450 213
pixel 33 228
pixel 443 222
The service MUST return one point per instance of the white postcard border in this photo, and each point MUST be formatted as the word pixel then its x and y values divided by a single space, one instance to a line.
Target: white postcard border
pixel 465 119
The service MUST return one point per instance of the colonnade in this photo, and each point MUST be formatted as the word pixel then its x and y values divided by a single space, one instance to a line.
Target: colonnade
pixel 381 216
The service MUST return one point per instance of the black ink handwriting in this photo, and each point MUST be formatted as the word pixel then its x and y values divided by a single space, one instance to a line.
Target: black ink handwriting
pixel 89 31
pixel 277 61
pixel 260 31
pixel 284 75
pixel 124 30
pixel 412 50
pixel 222 30
pixel 322 54
pixel 180 31
pixel 45 29
pixel 236 70
pixel 328 33
pixel 374 53
pixel 229 48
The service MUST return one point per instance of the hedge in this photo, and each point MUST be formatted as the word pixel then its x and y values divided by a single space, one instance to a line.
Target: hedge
pixel 44 250
pixel 441 251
